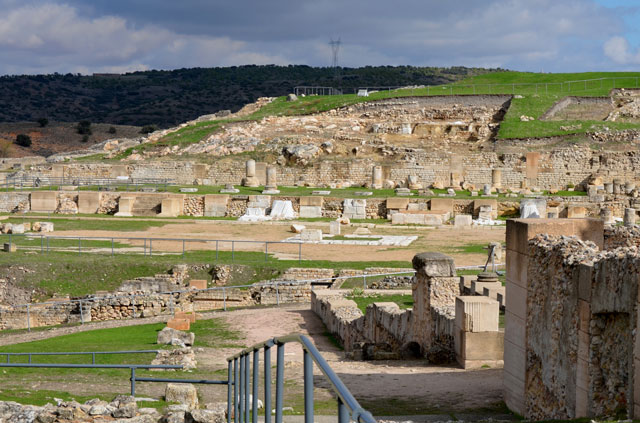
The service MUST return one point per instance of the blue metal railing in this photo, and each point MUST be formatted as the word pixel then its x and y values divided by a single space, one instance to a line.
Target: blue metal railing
pixel 240 384
pixel 92 353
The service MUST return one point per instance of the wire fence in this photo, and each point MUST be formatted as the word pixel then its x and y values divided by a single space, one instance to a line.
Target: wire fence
pixel 57 183
pixel 565 87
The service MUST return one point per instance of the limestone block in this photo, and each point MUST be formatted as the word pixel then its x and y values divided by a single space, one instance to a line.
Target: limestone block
pixel 179 324
pixel 533 208
pixel 520 231
pixel 477 204
pixel 88 202
pixel 44 201
pixel 191 317
pixel 118 170
pixel 183 393
pixel 125 206
pixel 397 203
pixel 433 264
pixel 493 292
pixel 574 212
pixel 476 350
pixel 311 211
pixel 533 159
pixel 477 314
pixel 198 283
pixel 167 335
pixel 311 201
pixel 297 228
pixel 334 228
pixel 215 205
pixel 171 207
pixel 477 287
pixel 463 220
pixel 442 204
pixel 311 235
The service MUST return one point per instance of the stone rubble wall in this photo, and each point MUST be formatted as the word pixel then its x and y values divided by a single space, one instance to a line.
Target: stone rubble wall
pixel 581 324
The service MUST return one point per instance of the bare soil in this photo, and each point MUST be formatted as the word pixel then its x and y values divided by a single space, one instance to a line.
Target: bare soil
pixel 446 239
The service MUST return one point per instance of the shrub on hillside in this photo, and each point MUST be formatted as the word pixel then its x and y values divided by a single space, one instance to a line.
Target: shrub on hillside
pixel 43 122
pixel 85 138
pixel 84 127
pixel 147 129
pixel 112 130
pixel 23 140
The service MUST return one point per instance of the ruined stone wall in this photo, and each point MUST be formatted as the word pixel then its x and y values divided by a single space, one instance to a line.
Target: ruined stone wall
pixel 11 202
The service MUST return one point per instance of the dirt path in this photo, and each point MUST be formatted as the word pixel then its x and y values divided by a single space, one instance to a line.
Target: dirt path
pixel 449 240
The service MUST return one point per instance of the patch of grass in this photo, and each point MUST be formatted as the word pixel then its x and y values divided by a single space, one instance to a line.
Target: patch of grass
pixel 215 333
pixel 74 224
pixel 403 301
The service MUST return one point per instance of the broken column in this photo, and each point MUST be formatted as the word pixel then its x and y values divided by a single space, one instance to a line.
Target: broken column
pixel 607 216
pixel 251 180
pixel 629 217
pixel 496 178
pixel 271 186
pixel 617 186
pixel 376 177
pixel 629 187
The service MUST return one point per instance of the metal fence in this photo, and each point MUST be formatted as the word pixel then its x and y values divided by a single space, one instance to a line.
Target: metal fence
pixel 93 354
pixel 276 285
pixel 245 383
pixel 56 183
pixel 303 90
pixel 565 87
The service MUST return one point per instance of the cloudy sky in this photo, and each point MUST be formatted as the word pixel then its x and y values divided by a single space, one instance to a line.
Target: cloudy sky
pixel 88 36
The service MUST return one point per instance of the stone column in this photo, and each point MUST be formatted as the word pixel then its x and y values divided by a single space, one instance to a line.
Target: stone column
pixel 496 178
pixel 376 177
pixel 606 215
pixel 629 187
pixel 629 217
pixel 271 187
pixel 250 180
pixel 617 186
pixel 435 286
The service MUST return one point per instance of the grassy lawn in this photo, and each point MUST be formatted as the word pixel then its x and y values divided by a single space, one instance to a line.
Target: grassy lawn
pixel 71 273
pixel 403 301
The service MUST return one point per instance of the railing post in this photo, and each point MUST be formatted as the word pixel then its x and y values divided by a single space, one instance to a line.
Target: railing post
pixel 256 375
pixel 267 384
pixel 364 281
pixel 343 412
pixel 230 381
pixel 93 358
pixel 79 245
pixel 183 248
pixel 241 391
pixel 112 247
pixel 224 299
pixel 133 381
pixel 247 382
pixel 236 379
pixel 266 251
pixel 277 294
pixel 81 314
pixel 216 250
pixel 232 250
pixel 28 319
pixel 308 387
pixel 279 382
pixel 150 247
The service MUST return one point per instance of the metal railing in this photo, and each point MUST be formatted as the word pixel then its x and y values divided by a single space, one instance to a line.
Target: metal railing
pixel 582 85
pixel 131 367
pixel 83 302
pixel 243 401
pixel 91 353
pixel 55 183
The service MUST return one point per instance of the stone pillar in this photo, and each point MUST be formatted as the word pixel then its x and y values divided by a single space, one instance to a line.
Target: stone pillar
pixel 608 187
pixel 617 188
pixel 486 190
pixel 435 286
pixel 496 178
pixel 250 180
pixel 376 177
pixel 607 216
pixel 271 186
pixel 628 187
pixel 629 217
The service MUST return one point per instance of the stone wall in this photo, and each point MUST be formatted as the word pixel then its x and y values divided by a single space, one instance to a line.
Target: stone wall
pixel 571 320
pixel 11 202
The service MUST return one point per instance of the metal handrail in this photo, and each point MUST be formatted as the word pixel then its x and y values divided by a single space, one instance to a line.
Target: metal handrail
pixel 239 369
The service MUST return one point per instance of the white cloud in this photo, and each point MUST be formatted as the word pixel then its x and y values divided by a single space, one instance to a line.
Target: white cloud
pixel 618 50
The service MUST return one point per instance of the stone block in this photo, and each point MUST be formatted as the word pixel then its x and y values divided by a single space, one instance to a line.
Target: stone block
pixel 181 315
pixel 475 350
pixel 44 201
pixel 171 207
pixel 334 228
pixel 88 202
pixel 514 329
pixel 434 264
pixel 575 212
pixel 311 201
pixel 215 205
pixel 397 203
pixel 441 204
pixel 462 220
pixel 477 287
pixel 125 206
pixel 179 324
pixel 532 160
pixel 477 314
pixel 517 268
pixel 513 388
pixel 514 360
pixel 10 248
pixel 198 283
pixel 311 235
pixel 477 204
pixel 118 170
pixel 517 297
pixel 520 231
pixel 182 393
pixel 493 292
pixel 167 335
pixel 311 211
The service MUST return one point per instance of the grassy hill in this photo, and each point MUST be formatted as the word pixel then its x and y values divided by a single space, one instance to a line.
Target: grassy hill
pixel 167 98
